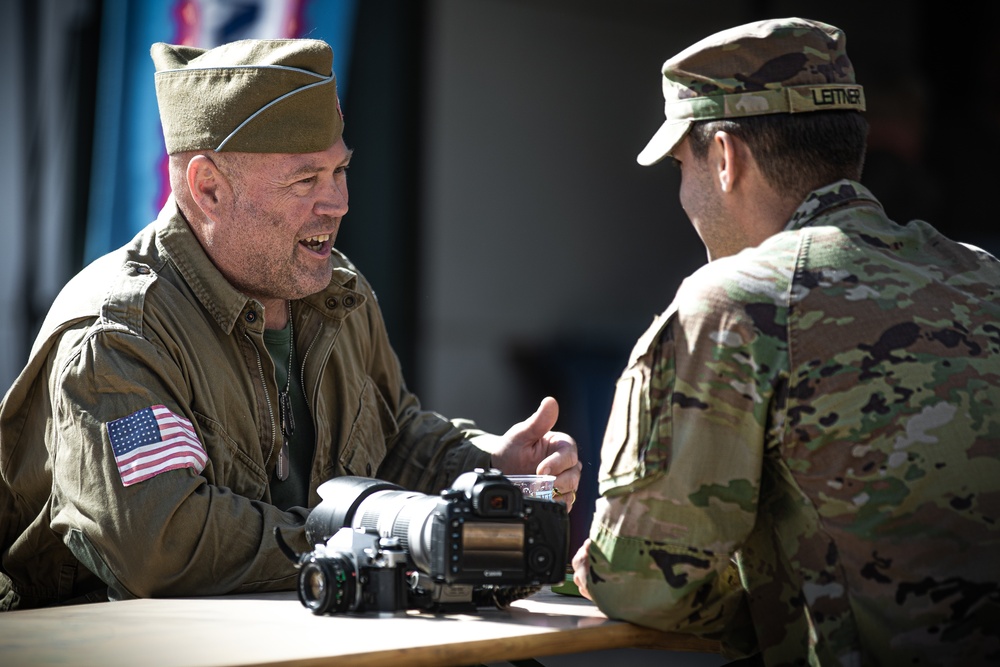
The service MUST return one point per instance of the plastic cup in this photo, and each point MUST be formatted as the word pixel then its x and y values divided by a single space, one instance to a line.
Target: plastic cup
pixel 541 487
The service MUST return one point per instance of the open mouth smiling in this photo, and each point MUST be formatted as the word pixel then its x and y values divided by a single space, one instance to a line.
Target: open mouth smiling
pixel 319 243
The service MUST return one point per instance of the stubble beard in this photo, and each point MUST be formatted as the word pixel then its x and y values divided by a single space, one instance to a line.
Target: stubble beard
pixel 269 277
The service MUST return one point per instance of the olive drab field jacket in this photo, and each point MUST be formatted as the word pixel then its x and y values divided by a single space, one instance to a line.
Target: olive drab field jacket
pixel 154 325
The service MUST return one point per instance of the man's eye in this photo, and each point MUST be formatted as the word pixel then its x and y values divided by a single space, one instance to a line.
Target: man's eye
pixel 307 181
pixel 341 169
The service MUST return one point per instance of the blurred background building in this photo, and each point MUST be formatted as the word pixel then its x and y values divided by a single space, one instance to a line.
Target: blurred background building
pixel 496 206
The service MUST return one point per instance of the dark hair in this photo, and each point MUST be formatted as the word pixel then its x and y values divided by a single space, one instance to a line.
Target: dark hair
pixel 796 153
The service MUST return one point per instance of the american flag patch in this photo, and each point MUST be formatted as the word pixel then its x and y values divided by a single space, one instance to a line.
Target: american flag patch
pixel 154 440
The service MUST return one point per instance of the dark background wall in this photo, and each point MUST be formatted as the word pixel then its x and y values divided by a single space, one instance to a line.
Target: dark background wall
pixel 515 245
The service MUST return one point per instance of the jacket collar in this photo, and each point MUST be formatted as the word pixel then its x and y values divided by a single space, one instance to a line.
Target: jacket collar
pixel 221 299
pixel 824 200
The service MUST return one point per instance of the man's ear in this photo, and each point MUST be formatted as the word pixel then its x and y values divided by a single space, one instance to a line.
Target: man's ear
pixel 208 186
pixel 730 160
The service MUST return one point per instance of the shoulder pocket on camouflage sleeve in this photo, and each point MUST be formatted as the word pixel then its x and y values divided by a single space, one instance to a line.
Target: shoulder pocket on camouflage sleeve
pixel 627 437
pixel 620 451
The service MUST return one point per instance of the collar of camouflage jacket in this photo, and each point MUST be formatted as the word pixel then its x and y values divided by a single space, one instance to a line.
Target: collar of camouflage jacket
pixel 836 195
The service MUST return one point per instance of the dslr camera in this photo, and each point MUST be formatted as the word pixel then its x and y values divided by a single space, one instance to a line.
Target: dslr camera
pixel 380 548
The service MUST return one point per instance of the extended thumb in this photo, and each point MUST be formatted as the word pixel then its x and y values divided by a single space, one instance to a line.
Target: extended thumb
pixel 544 418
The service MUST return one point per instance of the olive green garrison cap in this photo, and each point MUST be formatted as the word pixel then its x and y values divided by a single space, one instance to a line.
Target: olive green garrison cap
pixel 254 96
pixel 789 65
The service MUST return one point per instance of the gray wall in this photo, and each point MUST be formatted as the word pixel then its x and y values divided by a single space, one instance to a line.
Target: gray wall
pixel 540 230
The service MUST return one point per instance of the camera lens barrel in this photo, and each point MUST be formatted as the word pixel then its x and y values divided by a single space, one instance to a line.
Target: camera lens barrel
pixel 341 498
pixel 404 515
pixel 328 585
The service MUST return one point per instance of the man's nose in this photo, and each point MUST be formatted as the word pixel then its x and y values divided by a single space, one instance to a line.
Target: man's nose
pixel 333 199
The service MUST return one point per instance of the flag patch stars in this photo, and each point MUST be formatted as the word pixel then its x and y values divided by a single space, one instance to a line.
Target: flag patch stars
pixel 154 440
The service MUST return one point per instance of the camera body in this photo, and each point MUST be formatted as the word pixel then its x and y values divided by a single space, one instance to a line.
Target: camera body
pixel 355 570
pixel 380 548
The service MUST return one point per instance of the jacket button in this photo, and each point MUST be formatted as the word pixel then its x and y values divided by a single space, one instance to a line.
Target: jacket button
pixel 142 270
pixel 251 316
pixel 331 303
pixel 349 301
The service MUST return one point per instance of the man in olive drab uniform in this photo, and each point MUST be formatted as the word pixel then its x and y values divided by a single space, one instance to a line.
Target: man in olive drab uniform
pixel 188 393
pixel 803 455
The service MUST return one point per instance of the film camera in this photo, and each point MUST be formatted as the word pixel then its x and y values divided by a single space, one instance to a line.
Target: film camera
pixel 381 548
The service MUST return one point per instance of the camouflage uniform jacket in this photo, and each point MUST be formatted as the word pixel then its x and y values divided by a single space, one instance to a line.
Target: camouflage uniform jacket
pixel 805 447
pixel 155 323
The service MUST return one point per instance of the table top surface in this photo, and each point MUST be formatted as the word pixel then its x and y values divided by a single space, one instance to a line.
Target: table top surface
pixel 275 629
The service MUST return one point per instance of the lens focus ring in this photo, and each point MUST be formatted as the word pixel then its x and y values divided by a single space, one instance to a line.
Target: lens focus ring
pixel 328 585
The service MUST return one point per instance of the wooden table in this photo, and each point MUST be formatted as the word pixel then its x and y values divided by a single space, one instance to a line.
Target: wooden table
pixel 275 629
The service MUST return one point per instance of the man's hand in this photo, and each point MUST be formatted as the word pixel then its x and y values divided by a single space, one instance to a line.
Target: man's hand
pixel 580 569
pixel 532 448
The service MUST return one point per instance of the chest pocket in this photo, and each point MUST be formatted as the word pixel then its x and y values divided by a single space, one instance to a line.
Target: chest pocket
pixel 373 425
pixel 628 430
pixel 228 465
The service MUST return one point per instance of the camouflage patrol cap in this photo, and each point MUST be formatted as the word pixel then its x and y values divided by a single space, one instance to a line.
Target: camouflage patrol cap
pixel 790 65
pixel 254 96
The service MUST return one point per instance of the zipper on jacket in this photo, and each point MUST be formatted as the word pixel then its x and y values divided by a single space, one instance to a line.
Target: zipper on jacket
pixel 267 398
pixel 310 399
pixel 302 373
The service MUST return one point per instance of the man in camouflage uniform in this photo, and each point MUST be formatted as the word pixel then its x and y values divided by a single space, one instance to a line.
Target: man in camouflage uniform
pixel 803 456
